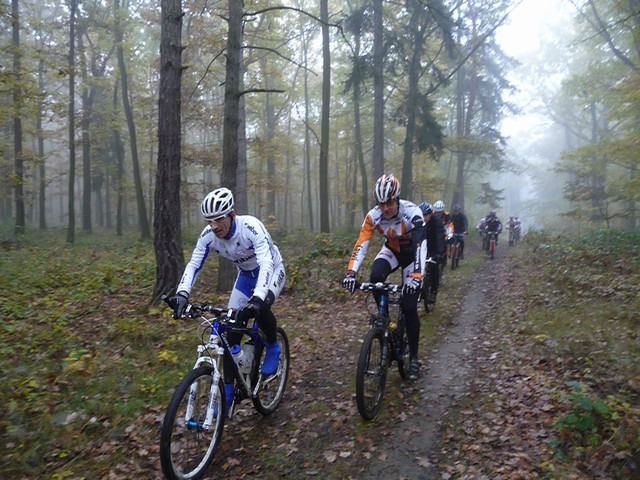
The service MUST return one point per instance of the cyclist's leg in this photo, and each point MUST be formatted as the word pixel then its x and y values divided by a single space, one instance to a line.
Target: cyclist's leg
pixel 461 246
pixel 384 263
pixel 409 307
pixel 268 324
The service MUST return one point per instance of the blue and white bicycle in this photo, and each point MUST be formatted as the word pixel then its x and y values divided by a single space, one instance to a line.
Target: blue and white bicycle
pixel 194 420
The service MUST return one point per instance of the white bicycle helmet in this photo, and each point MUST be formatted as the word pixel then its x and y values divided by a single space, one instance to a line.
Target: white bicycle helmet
pixel 387 188
pixel 438 206
pixel 217 203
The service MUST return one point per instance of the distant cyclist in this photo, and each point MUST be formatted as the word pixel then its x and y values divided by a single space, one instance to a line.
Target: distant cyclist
pixel 481 231
pixel 493 224
pixel 435 247
pixel 402 225
pixel 440 213
pixel 460 225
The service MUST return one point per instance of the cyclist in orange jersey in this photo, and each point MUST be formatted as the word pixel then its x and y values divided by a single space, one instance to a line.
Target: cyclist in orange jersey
pixel 402 225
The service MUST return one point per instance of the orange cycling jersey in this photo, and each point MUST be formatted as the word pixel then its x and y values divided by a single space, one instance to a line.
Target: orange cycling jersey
pixel 397 232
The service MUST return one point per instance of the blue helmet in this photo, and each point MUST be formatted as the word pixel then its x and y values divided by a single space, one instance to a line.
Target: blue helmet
pixel 426 208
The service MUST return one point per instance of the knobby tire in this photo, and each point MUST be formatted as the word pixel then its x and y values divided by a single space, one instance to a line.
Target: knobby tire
pixel 186 449
pixel 371 375
pixel 272 390
pixel 426 290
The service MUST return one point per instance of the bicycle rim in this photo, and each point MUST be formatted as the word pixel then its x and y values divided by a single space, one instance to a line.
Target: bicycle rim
pixel 272 388
pixel 186 446
pixel 371 374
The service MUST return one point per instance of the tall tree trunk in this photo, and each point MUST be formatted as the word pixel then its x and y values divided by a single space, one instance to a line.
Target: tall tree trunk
pixel 143 221
pixel 270 127
pixel 356 124
pixel 226 270
pixel 378 91
pixel 307 136
pixel 17 119
pixel 41 174
pixel 86 141
pixel 167 240
pixel 118 150
pixel 72 131
pixel 412 98
pixel 240 195
pixel 326 105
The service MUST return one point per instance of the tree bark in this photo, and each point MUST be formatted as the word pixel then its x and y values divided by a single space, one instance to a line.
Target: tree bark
pixel 326 104
pixel 17 120
pixel 378 91
pixel 167 240
pixel 226 270
pixel 72 131
pixel 143 221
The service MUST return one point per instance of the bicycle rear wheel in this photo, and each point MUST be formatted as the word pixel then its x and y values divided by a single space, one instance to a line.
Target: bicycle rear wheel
pixel 272 388
pixel 186 446
pixel 371 375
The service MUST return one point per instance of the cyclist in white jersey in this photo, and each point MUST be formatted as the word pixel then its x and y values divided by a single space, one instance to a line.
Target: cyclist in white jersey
pixel 245 241
pixel 402 224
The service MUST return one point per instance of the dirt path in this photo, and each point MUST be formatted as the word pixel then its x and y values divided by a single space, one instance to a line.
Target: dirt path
pixel 446 377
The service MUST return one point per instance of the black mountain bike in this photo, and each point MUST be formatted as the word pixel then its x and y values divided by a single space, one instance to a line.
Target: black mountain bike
pixel 429 304
pixel 385 342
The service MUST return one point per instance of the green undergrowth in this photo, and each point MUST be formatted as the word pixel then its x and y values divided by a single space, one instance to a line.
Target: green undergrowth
pixel 578 303
pixel 86 361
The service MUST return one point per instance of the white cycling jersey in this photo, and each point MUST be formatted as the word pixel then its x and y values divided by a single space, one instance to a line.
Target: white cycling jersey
pixel 249 246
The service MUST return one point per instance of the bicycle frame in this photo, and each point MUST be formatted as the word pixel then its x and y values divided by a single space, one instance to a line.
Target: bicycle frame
pixel 211 353
pixel 492 243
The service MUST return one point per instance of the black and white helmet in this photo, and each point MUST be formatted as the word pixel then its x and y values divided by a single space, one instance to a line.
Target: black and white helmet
pixel 387 188
pixel 217 203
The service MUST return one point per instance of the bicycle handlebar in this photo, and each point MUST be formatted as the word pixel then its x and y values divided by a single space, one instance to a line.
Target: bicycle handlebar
pixel 380 286
pixel 194 310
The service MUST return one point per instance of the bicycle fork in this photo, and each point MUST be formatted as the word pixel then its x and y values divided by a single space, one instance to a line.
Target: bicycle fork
pixel 193 395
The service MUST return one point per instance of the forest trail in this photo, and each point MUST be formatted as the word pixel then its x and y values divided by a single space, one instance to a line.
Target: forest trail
pixel 447 371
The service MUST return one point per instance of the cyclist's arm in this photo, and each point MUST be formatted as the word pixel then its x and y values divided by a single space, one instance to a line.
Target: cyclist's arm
pixel 419 238
pixel 362 244
pixel 440 233
pixel 198 258
pixel 265 252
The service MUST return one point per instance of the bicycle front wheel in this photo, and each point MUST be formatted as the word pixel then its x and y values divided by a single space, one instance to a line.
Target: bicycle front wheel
pixel 271 390
pixel 187 443
pixel 426 290
pixel 371 375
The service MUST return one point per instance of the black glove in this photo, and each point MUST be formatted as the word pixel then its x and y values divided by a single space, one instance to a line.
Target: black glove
pixel 413 285
pixel 250 310
pixel 179 302
pixel 349 281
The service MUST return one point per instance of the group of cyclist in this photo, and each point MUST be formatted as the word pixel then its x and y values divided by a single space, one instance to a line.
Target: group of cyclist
pixel 514 225
pixel 412 234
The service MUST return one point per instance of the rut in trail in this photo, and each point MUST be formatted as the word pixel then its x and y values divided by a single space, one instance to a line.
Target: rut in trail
pixel 446 374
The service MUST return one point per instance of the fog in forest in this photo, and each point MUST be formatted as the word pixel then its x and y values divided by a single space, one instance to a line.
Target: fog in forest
pixel 535 32
pixel 550 139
